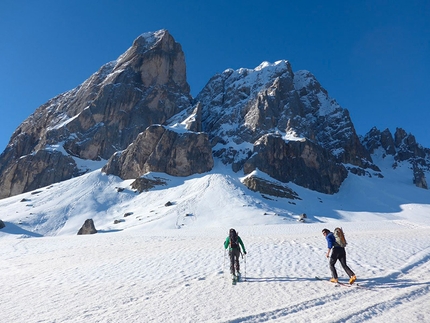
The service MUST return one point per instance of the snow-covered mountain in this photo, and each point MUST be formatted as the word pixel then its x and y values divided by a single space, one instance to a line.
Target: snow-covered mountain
pixel 137 113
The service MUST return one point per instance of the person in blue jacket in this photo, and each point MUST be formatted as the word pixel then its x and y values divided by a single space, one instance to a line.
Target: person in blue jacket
pixel 234 242
pixel 337 253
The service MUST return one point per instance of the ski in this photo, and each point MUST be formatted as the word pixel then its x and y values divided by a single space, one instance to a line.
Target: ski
pixel 234 280
pixel 336 284
pixel 355 285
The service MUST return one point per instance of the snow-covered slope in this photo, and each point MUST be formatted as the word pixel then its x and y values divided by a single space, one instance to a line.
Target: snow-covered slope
pixel 167 263
pixel 207 200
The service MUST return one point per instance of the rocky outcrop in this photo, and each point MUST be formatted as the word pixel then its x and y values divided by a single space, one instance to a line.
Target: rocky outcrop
pixel 266 187
pixel 419 178
pixel 194 121
pixel 143 184
pixel 87 228
pixel 36 170
pixel 326 123
pixel 301 162
pixel 144 86
pixel 375 139
pixel 407 146
pixel 159 149
pixel 404 148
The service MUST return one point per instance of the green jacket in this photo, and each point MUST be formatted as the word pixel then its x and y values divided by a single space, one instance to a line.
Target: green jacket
pixel 227 243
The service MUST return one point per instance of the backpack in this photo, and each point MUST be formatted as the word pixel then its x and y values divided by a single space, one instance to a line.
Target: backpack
pixel 234 243
pixel 340 237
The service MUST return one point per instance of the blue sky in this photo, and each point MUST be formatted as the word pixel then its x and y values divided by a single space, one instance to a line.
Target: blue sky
pixel 373 57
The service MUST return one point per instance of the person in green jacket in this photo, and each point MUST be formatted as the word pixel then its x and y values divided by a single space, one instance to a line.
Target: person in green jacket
pixel 234 242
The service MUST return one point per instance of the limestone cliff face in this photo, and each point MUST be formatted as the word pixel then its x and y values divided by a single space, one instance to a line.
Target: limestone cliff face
pixel 301 162
pixel 144 86
pixel 159 149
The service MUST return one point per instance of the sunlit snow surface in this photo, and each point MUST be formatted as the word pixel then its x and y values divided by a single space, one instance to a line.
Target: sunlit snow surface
pixel 167 263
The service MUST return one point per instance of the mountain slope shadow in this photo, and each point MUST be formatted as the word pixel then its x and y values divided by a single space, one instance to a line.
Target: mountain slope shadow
pixel 11 228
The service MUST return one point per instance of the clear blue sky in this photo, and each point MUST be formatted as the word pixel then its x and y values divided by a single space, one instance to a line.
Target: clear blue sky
pixel 373 57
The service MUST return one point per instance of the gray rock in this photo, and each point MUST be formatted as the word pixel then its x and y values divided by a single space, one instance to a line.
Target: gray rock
pixel 159 149
pixel 419 177
pixel 301 162
pixel 36 170
pixel 265 187
pixel 87 228
pixel 143 184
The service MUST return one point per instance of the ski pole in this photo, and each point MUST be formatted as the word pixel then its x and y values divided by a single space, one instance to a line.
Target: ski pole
pixel 245 268
pixel 223 265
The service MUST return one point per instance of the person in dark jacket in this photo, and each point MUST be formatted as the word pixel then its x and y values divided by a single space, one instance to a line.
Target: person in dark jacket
pixel 234 242
pixel 337 253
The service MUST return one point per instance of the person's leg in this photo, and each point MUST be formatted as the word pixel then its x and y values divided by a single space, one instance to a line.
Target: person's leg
pixel 342 259
pixel 332 267
pixel 237 255
pixel 333 258
pixel 231 254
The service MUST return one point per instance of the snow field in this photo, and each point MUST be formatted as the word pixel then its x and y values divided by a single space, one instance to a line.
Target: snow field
pixel 182 276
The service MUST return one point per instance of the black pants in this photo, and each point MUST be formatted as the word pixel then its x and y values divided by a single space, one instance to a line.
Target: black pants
pixel 339 253
pixel 234 260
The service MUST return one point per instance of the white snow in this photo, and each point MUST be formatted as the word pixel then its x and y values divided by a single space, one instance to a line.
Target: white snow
pixel 167 263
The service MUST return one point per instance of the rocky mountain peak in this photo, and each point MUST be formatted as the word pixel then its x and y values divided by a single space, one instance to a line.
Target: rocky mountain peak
pixel 239 107
pixel 144 86
pixel 137 113
pixel 158 59
pixel 403 147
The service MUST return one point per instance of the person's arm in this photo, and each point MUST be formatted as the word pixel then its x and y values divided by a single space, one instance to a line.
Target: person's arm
pixel 242 245
pixel 329 244
pixel 226 242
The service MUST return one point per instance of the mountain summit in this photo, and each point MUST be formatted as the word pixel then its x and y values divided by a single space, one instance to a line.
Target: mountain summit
pixel 136 115
pixel 145 85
